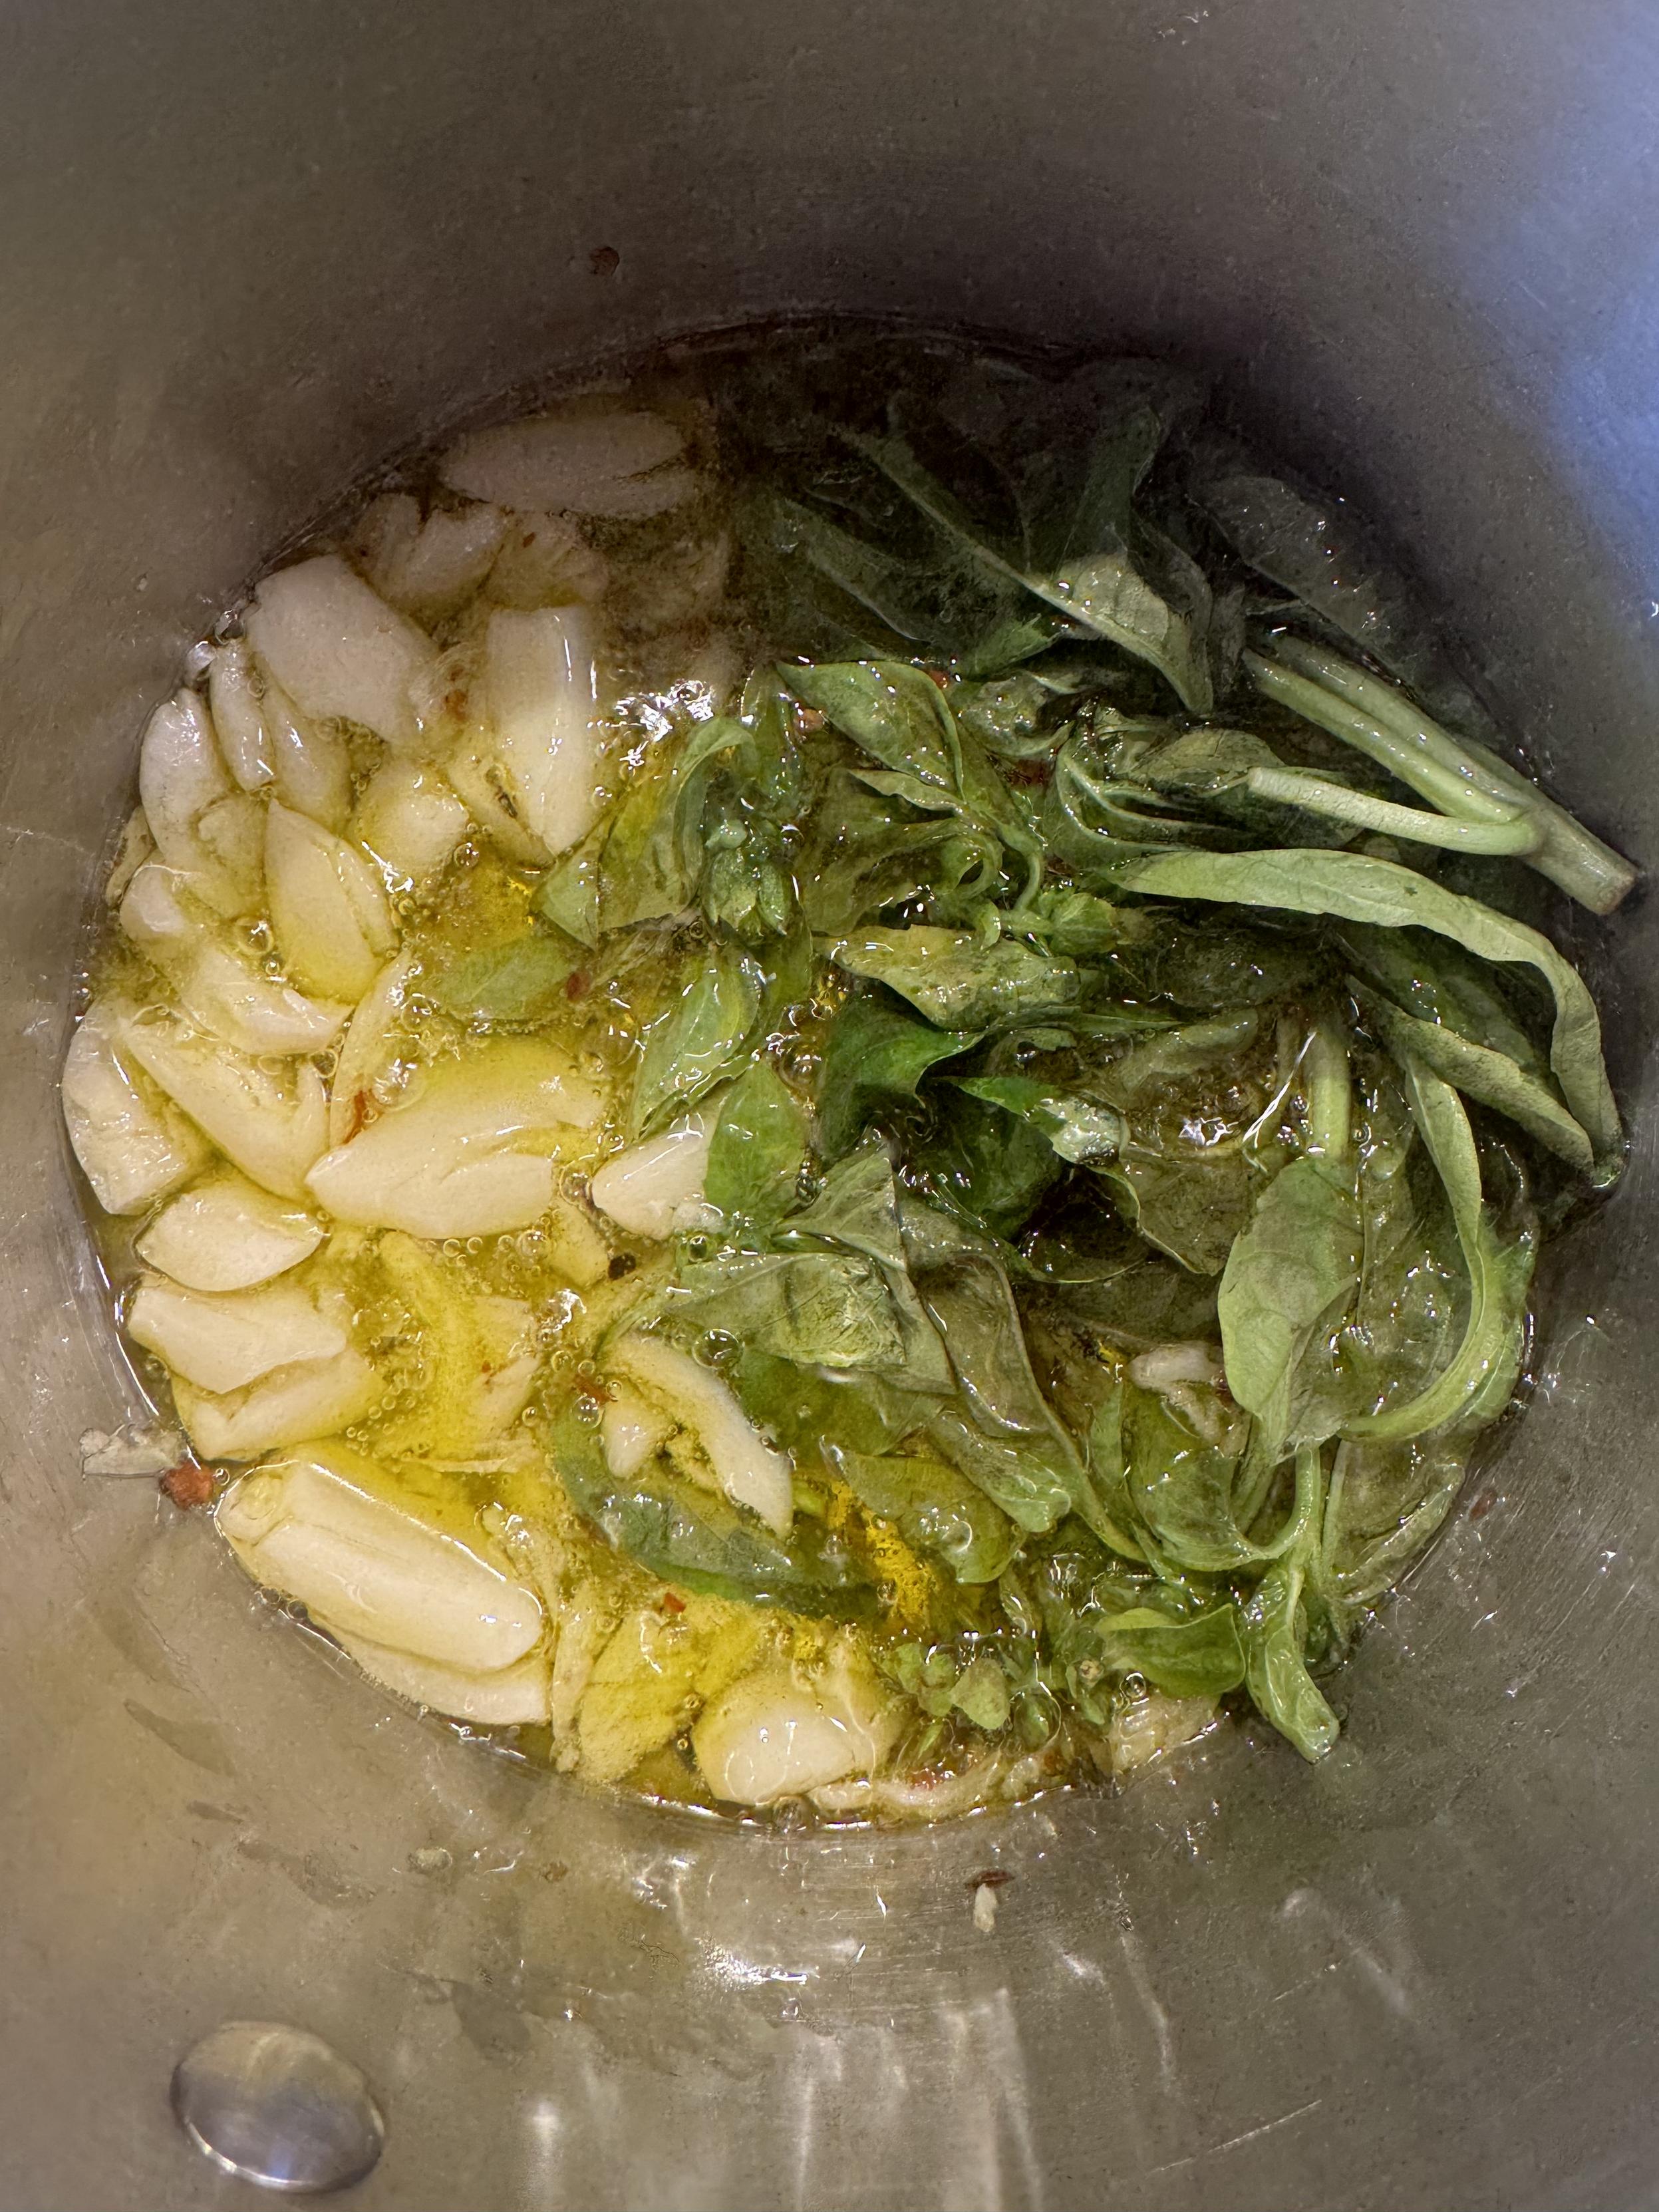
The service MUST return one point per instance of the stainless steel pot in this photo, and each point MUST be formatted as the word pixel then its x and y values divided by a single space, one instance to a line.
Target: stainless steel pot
pixel 246 251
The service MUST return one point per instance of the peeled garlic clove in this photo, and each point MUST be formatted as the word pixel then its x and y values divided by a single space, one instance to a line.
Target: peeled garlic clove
pixel 410 820
pixel 516 1694
pixel 227 1234
pixel 574 1246
pixel 272 1126
pixel 541 688
pixel 232 831
pixel 310 762
pixel 238 715
pixel 428 567
pixel 153 913
pixel 228 994
pixel 329 912
pixel 330 1530
pixel 748 1469
pixel 365 1049
pixel 337 648
pixel 290 1406
pixel 655 1188
pixel 219 988
pixel 768 1737
pixel 470 1151
pixel 1147 1727
pixel 180 775
pixel 632 1430
pixel 595 459
pixel 545 561
pixel 849 1688
pixel 506 1329
pixel 383 534
pixel 137 846
pixel 223 1341
pixel 132 1144
pixel 482 781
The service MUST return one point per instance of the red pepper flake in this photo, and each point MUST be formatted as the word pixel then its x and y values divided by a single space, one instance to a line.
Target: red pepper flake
pixel 359 1114
pixel 577 985
pixel 1026 772
pixel 938 676
pixel 810 718
pixel 672 1602
pixel 188 1484
pixel 992 1878
pixel 1483 1506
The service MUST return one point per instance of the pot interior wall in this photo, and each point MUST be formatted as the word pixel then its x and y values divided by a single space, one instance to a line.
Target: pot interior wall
pixel 247 252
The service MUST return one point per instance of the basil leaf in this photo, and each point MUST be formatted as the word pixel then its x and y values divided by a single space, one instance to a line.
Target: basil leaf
pixel 895 712
pixel 1478 1380
pixel 954 980
pixel 1179 1054
pixel 807 1410
pixel 1275 1623
pixel 1078 1129
pixel 857 1209
pixel 935 1509
pixel 874 1057
pixel 866 850
pixel 1296 1266
pixel 701 1037
pixel 898 715
pixel 1385 1503
pixel 523 980
pixel 1198 1658
pixel 1110 595
pixel 1353 888
pixel 1005 1437
pixel 758 1148
pixel 1193 1206
pixel 1084 927
pixel 819 1309
pixel 1493 1077
pixel 689 1536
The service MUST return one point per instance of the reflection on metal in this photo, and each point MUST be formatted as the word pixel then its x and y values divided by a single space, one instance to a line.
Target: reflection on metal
pixel 279 2106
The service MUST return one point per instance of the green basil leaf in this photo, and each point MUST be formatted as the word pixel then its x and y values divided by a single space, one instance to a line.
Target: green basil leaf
pixel 1491 1077
pixel 896 713
pixel 1275 1623
pixel 1192 1204
pixel 1078 1129
pixel 758 1148
pixel 954 980
pixel 523 980
pixel 874 1057
pixel 1295 1267
pixel 1198 1658
pixel 1476 1383
pixel 935 1509
pixel 689 1536
pixel 1353 888
pixel 819 1309
pixel 994 1171
pixel 700 1038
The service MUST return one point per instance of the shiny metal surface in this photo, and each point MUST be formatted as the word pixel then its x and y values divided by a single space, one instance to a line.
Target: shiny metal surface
pixel 278 2106
pixel 246 251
